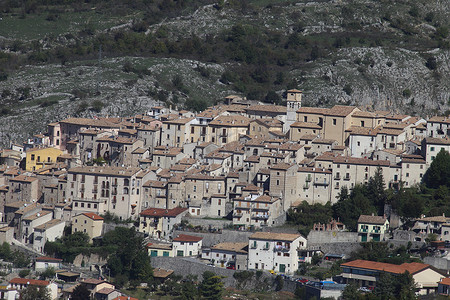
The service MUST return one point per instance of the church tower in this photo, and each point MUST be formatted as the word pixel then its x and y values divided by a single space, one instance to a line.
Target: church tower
pixel 294 102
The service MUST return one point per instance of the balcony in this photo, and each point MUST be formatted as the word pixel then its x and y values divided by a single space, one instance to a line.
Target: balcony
pixel 266 247
pixel 321 183
pixel 94 191
pixel 337 177
pixel 306 186
pixel 363 230
pixel 260 216
pixel 376 231
pixel 308 179
pixel 237 215
pixel 347 178
pixel 279 248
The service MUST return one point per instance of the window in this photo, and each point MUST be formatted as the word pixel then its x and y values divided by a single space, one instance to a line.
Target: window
pixel 431 148
pixel 407 174
pixel 32 156
pixel 334 121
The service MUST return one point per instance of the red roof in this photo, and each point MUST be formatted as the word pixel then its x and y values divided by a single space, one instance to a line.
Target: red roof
pixel 50 259
pixel 391 268
pixel 161 212
pixel 93 216
pixel 27 281
pixel 187 238
pixel 125 298
pixel 445 281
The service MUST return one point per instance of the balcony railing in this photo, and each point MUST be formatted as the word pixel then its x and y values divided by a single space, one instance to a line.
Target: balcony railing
pixel 306 186
pixel 322 183
pixel 347 178
pixel 279 248
pixel 308 179
pixel 363 230
pixel 237 215
pixel 260 216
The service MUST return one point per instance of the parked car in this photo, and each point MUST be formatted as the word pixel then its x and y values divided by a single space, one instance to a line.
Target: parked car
pixel 302 280
pixel 272 272
pixel 231 266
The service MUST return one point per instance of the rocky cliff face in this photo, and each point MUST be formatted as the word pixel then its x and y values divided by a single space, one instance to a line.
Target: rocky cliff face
pixel 377 55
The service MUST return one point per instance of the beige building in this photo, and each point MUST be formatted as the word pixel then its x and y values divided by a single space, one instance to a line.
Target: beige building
pixel 158 222
pixel 177 132
pixel 283 183
pixel 100 189
pixel 314 184
pixel 89 223
pixel 255 211
pixel 226 129
pixel 47 232
pixel 262 128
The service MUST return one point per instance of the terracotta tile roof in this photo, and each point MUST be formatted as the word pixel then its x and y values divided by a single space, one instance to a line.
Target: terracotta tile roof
pixel 231 247
pixel 313 110
pixel 209 113
pixel 294 91
pixel 48 259
pixel 92 281
pixel 267 108
pixel 161 212
pixel 437 141
pixel 439 119
pixel 159 246
pixel 272 236
pixel 323 141
pixel 23 178
pixel 37 215
pixel 306 125
pixel 368 219
pixel 105 291
pixel 156 184
pixel 412 268
pixel 364 114
pixel 439 219
pixel 252 158
pixel 357 130
pixel 359 161
pixel 93 216
pixel 27 281
pixel 105 170
pixel 314 170
pixel 161 273
pixel 341 110
pixel 125 298
pixel 187 238
pixel 49 224
pixel 281 166
pixel 268 122
pixel 231 121
pixel 445 281
pixel 181 121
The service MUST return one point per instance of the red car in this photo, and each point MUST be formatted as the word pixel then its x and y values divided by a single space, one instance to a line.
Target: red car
pixel 302 280
pixel 231 267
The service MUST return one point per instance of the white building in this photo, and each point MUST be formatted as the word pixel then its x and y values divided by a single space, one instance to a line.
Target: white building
pixel 47 232
pixel 274 251
pixel 187 245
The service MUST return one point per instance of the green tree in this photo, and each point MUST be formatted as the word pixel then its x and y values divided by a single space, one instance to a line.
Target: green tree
pixel 279 283
pixel 81 293
pixel 385 288
pixel 128 254
pixel 439 171
pixel 24 273
pixel 48 273
pixel 189 290
pixel 211 286
pixel 376 190
pixel 351 292
pixel 35 293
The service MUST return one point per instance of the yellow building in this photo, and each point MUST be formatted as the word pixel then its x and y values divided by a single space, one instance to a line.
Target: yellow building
pixel 89 223
pixel 37 158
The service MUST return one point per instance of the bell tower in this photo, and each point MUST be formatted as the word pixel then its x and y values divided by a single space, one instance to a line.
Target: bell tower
pixel 294 102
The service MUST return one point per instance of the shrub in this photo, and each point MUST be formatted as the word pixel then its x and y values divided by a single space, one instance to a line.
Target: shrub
pixel 406 93
pixel 431 63
pixel 24 273
pixel 348 89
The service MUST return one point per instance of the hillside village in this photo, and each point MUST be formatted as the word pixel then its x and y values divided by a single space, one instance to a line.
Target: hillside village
pixel 216 186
